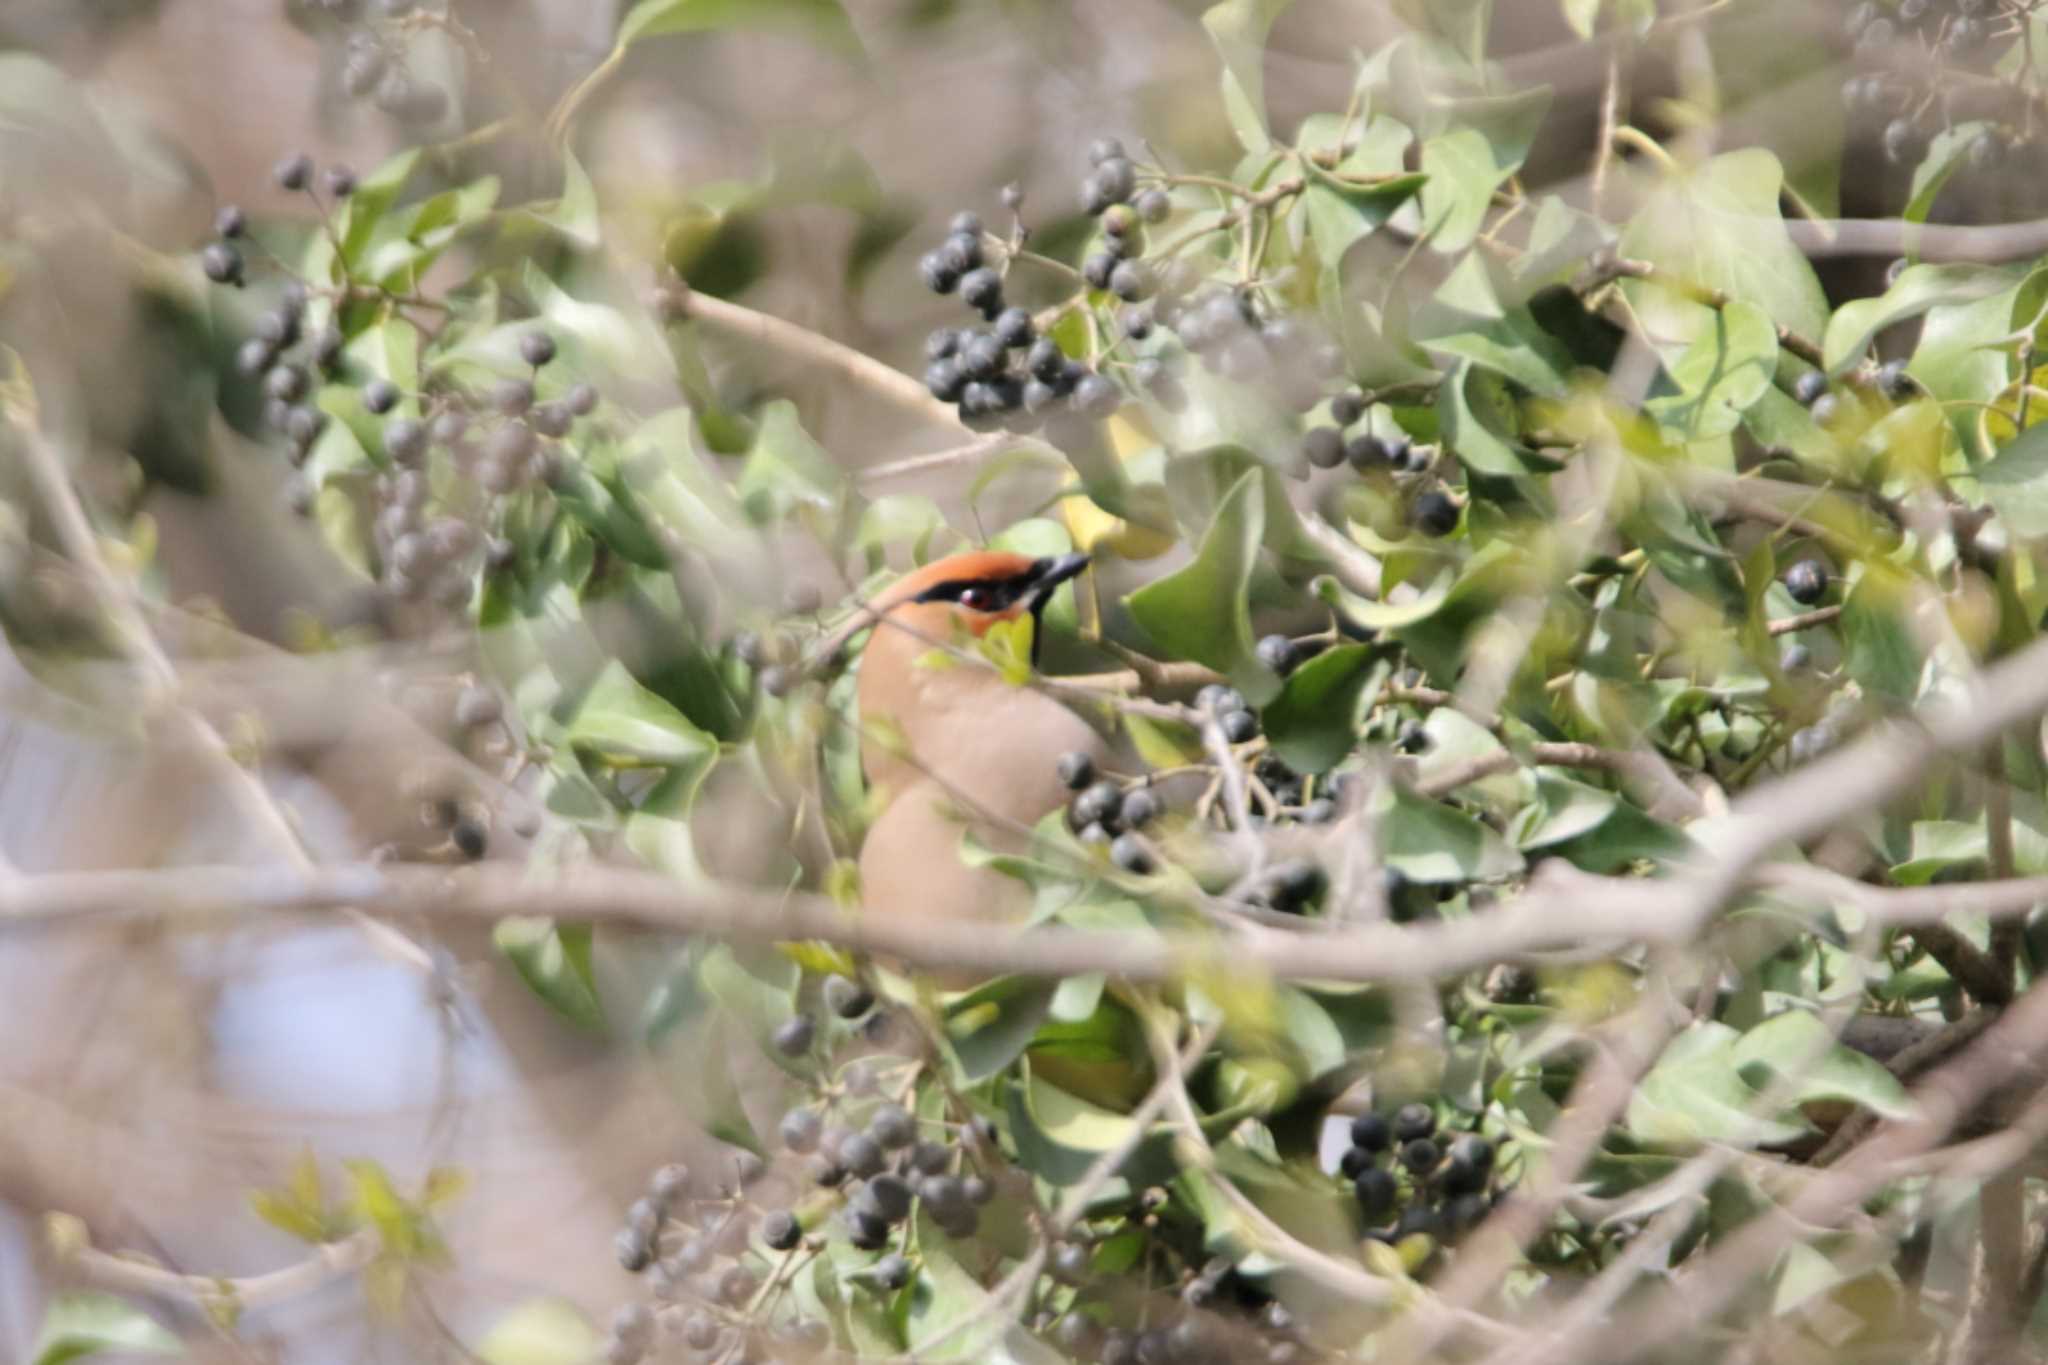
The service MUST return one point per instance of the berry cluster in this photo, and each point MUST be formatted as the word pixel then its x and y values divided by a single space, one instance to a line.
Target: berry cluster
pixel 376 64
pixel 710 1254
pixel 1424 1179
pixel 1922 65
pixel 719 1264
pixel 496 443
pixel 1003 373
pixel 1106 811
pixel 1146 311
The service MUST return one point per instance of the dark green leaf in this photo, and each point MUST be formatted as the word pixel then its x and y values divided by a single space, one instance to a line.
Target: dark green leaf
pixel 1313 723
pixel 554 961
pixel 1203 611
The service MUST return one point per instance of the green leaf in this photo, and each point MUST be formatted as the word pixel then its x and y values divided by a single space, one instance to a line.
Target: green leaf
pixel 1059 1136
pixel 374 195
pixel 1467 318
pixel 1313 723
pixel 79 1325
pixel 1479 422
pixel 1884 655
pixel 1203 612
pixel 785 469
pixel 1238 28
pixel 1489 139
pixel 1432 844
pixel 554 961
pixel 1726 369
pixel 619 721
pixel 1387 615
pixel 824 21
pixel 1959 357
pixel 1947 152
pixel 2015 482
pixel 1796 1048
pixel 1695 1093
pixel 989 1027
pixel 951 1317
pixel 1340 212
pixel 574 215
pixel 541 1331
pixel 1919 288
pixel 1719 228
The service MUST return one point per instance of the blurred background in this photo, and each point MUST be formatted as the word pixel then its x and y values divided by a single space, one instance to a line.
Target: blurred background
pixel 151 1077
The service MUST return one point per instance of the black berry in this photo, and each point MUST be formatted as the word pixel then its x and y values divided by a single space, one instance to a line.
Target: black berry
pixel 793 1036
pixel 295 172
pixel 222 263
pixel 847 998
pixel 1807 582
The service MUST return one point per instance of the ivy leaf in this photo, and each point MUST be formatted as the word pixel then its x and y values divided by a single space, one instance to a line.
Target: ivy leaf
pixel 1728 366
pixel 79 1325
pixel 1059 1136
pixel 1718 227
pixel 1948 151
pixel 1883 653
pixel 786 468
pixel 1796 1047
pixel 1919 288
pixel 1467 318
pixel 1203 612
pixel 1958 359
pixel 621 722
pixel 1431 843
pixel 1238 28
pixel 756 989
pixel 2015 482
pixel 554 961
pixel 574 215
pixel 952 1317
pixel 824 21
pixel 1313 723
pixel 1695 1093
pixel 1465 165
pixel 1479 422
pixel 989 1027
pixel 374 195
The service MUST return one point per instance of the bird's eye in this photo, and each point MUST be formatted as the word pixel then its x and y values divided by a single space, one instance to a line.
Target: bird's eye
pixel 977 599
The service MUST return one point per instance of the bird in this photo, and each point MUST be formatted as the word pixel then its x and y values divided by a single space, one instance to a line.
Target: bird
pixel 948 746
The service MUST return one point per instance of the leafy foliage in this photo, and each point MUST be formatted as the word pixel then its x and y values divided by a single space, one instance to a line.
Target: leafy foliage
pixel 1443 526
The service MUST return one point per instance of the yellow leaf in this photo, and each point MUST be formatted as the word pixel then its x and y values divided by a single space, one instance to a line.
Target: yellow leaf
pixel 444 1183
pixel 304 1184
pixel 938 660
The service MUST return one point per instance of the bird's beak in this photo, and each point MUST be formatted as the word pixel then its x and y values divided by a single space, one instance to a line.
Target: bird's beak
pixel 1048 573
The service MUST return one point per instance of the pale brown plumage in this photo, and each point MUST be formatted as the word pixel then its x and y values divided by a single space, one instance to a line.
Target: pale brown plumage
pixel 956 748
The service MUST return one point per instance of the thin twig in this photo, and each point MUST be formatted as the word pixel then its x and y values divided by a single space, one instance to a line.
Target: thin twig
pixel 820 350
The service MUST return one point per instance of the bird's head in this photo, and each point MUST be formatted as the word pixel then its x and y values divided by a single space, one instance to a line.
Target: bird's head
pixel 974 591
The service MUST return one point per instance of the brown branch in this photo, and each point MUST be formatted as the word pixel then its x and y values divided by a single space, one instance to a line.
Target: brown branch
pixel 329 1261
pixel 1805 620
pixel 81 544
pixel 825 353
pixel 1941 1100
pixel 1612 268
